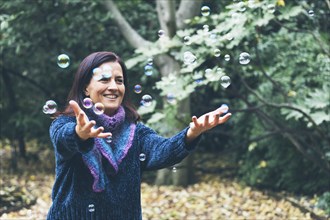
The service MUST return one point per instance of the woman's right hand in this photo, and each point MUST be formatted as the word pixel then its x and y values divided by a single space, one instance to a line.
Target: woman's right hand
pixel 85 128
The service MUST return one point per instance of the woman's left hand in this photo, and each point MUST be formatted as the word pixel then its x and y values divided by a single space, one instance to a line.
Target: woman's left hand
pixel 207 122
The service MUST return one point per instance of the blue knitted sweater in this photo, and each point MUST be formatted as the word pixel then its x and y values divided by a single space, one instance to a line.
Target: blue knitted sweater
pixel 73 196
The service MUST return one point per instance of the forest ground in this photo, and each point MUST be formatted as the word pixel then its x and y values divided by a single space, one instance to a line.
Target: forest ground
pixel 217 194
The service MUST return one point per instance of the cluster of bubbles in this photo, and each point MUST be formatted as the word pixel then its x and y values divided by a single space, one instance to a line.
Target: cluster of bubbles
pixel 98 108
pixel 104 72
pixel 190 59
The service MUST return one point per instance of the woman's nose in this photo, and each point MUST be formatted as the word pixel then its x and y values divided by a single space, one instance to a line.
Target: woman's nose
pixel 112 85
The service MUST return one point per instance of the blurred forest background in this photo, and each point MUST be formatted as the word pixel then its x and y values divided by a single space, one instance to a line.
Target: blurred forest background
pixel 269 61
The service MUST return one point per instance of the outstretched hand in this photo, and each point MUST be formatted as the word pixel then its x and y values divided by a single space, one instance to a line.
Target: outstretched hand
pixel 85 128
pixel 207 122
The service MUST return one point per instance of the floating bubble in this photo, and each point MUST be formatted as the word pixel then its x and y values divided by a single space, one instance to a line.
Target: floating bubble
pixel 271 8
pixel 63 61
pixel 189 58
pixel 311 13
pixel 150 61
pixel 170 97
pixel 107 68
pixel 217 52
pixel 106 75
pixel 227 57
pixel 50 107
pixel 148 70
pixel 244 58
pixel 206 28
pixel 229 37
pixel 224 108
pixel 97 70
pixel 208 73
pixel 187 40
pixel 98 108
pixel 161 33
pixel 108 139
pixel 241 6
pixel 91 208
pixel 225 81
pixel 146 100
pixel 174 169
pixel 205 10
pixel 142 157
pixel 137 89
pixel 87 103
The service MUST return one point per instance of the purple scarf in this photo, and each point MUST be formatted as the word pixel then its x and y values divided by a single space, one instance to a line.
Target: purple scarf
pixel 113 151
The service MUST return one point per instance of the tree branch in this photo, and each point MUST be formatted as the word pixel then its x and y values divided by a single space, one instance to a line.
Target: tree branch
pixel 187 10
pixel 166 16
pixel 328 3
pixel 132 37
pixel 288 106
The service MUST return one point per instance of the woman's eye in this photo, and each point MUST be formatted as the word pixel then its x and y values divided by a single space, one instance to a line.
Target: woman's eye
pixel 120 80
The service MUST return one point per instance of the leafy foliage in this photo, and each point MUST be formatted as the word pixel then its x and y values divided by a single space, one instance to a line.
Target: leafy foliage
pixel 280 99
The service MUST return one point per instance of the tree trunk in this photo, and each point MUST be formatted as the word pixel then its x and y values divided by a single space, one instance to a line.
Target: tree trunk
pixel 170 21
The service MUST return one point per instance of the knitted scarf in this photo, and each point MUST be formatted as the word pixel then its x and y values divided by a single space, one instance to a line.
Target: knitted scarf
pixel 113 151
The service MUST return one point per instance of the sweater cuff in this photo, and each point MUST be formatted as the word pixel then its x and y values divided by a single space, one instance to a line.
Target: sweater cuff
pixel 193 144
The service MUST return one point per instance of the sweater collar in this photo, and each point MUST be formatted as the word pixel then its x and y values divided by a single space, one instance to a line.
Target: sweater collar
pixel 114 150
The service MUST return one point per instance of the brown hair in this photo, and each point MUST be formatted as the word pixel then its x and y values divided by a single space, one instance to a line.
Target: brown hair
pixel 84 75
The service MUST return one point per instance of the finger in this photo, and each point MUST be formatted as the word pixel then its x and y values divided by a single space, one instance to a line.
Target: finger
pixel 90 125
pixel 194 119
pixel 224 118
pixel 206 119
pixel 104 135
pixel 216 118
pixel 75 107
pixel 97 131
pixel 81 119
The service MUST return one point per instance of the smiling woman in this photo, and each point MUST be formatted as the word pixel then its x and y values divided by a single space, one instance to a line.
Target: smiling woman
pixel 100 155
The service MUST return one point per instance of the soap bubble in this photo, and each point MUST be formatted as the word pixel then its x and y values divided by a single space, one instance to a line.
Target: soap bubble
pixel 148 70
pixel 244 58
pixel 224 108
pixel 161 33
pixel 146 100
pixel 137 89
pixel 225 81
pixel 107 68
pixel 311 13
pixel 227 57
pixel 63 61
pixel 50 107
pixel 189 58
pixel 87 103
pixel 170 97
pixel 271 8
pixel 108 139
pixel 91 208
pixel 150 61
pixel 205 11
pixel 142 157
pixel 217 52
pixel 98 108
pixel 187 40
pixel 174 169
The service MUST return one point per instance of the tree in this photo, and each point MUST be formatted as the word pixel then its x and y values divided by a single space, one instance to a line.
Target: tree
pixel 171 18
pixel 281 95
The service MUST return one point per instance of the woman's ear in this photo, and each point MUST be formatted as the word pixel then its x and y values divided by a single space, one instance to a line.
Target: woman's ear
pixel 86 92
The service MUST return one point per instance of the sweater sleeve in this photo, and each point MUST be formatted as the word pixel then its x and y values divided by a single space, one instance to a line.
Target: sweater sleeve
pixel 161 152
pixel 65 139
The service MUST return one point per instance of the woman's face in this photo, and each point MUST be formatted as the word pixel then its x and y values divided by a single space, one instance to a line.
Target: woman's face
pixel 107 86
